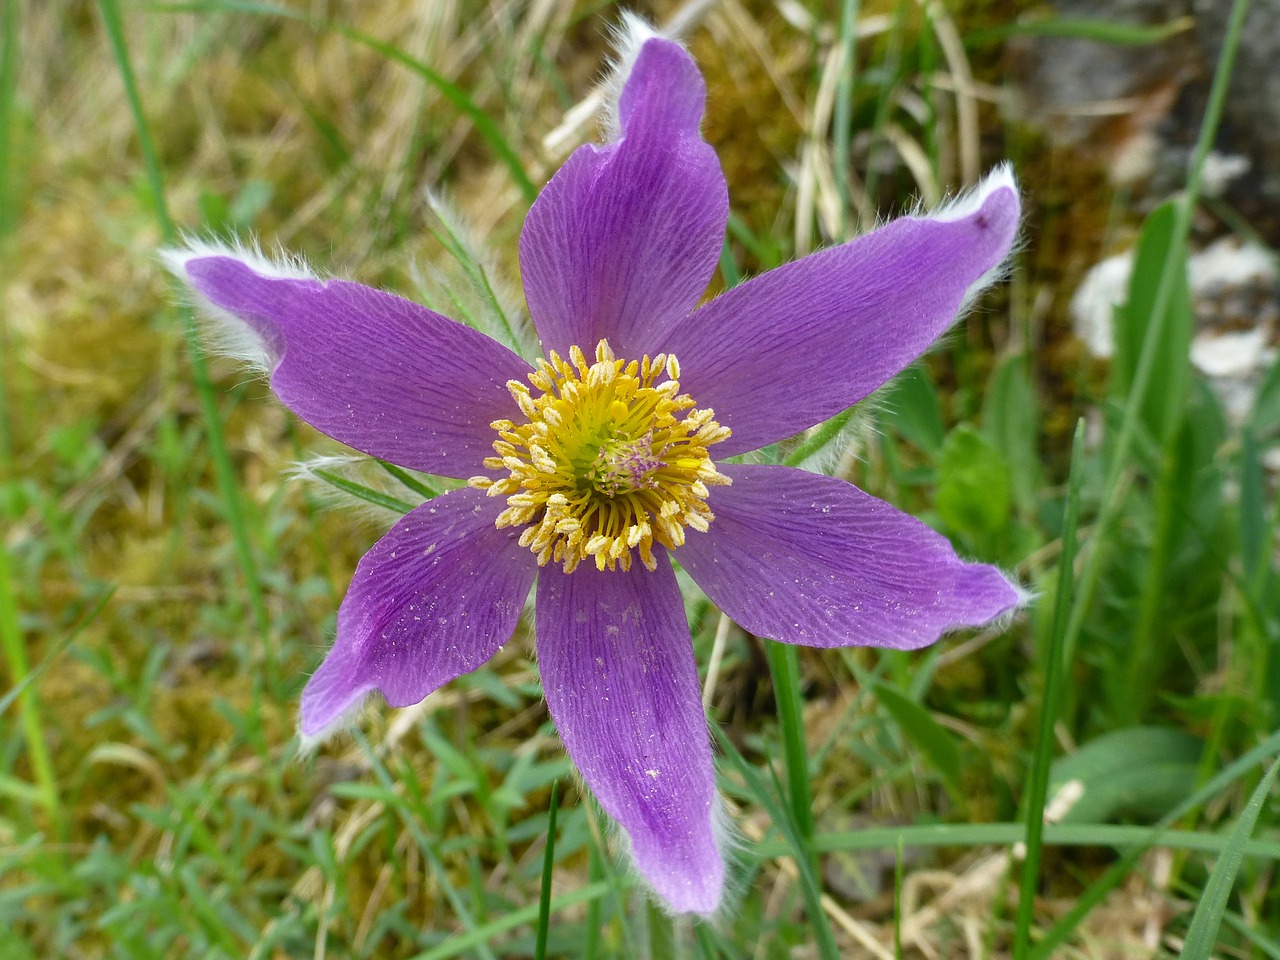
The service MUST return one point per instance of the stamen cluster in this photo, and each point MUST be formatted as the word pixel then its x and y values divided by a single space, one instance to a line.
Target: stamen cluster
pixel 604 465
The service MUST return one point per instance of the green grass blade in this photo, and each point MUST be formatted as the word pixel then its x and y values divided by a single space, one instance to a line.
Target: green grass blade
pixel 784 665
pixel 595 918
pixel 1083 28
pixel 1112 500
pixel 8 96
pixel 842 122
pixel 728 266
pixel 8 213
pixel 795 845
pixel 31 676
pixel 1203 931
pixel 1116 873
pixel 482 934
pixel 15 654
pixel 452 92
pixel 458 97
pixel 226 476
pixel 11 636
pixel 936 743
pixel 150 158
pixel 1269 947
pixel 1054 670
pixel 662 933
pixel 548 868
pixel 1113 835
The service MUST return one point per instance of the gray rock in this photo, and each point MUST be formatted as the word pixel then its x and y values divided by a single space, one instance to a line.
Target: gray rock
pixel 1137 110
pixel 1253 106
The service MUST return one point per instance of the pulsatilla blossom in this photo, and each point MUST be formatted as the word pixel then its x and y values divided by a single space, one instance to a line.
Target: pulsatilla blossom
pixel 592 470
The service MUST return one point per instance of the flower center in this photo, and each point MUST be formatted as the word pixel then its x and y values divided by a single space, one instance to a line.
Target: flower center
pixel 605 464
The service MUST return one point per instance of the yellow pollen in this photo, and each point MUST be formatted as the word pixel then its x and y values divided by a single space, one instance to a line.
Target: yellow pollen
pixel 608 463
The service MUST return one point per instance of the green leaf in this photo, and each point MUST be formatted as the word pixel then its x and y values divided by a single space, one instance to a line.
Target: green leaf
pixel 1255 533
pixel 1010 420
pixel 911 402
pixel 936 743
pixel 1162 407
pixel 1138 772
pixel 1265 417
pixel 410 481
pixel 823 437
pixel 974 495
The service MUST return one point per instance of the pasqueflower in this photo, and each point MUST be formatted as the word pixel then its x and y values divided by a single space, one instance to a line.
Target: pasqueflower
pixel 594 469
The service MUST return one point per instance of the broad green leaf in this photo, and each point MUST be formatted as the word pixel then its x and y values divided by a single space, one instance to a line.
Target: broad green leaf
pixel 911 403
pixel 974 495
pixel 937 744
pixel 1140 772
pixel 1010 420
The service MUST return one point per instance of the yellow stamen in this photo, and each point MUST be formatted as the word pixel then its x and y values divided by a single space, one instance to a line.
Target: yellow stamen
pixel 603 466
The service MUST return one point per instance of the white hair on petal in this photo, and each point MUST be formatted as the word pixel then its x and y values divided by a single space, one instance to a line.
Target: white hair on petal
pixel 1026 598
pixel 968 203
pixel 627 37
pixel 731 844
pixel 725 835
pixel 971 200
pixel 282 266
pixel 357 469
pixel 222 330
pixel 828 460
pixel 469 280
pixel 308 744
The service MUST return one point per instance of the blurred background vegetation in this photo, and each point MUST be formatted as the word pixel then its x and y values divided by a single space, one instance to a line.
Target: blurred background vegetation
pixel 167 584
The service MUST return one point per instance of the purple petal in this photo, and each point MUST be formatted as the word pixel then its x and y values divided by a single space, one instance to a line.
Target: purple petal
pixel 620 679
pixel 624 238
pixel 799 344
pixel 375 371
pixel 809 559
pixel 433 599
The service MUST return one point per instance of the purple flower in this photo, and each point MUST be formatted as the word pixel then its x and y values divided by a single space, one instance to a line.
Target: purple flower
pixel 592 470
